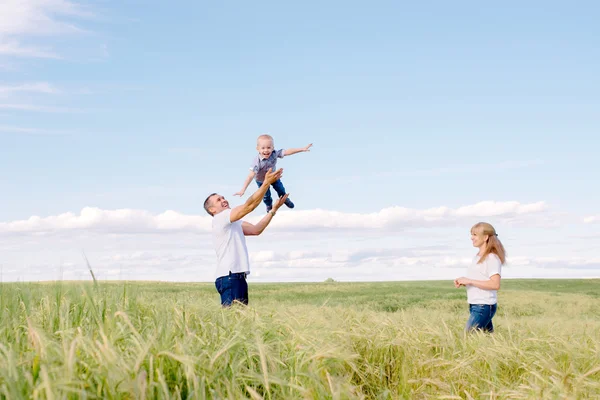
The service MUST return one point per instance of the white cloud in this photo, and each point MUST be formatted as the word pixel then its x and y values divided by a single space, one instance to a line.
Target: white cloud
pixel 39 17
pixel 370 266
pixel 36 87
pixel 558 262
pixel 29 18
pixel 5 66
pixel 382 257
pixel 111 221
pixel 31 131
pixel 10 94
pixel 190 265
pixel 592 219
pixel 171 246
pixel 393 218
pixel 15 48
pixel 35 108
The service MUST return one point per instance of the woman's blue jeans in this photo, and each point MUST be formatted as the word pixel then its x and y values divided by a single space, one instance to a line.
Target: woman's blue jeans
pixel 481 317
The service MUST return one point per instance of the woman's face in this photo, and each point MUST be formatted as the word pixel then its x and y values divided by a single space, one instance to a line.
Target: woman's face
pixel 478 238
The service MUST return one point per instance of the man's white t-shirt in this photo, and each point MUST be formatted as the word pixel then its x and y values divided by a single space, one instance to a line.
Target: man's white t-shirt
pixel 483 272
pixel 230 245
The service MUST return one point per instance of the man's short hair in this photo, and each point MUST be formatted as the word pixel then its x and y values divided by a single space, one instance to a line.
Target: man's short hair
pixel 207 204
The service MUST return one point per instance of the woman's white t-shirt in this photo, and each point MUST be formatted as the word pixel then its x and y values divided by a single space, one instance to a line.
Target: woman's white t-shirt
pixel 483 272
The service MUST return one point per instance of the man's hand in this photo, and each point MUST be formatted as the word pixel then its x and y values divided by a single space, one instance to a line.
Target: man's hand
pixel 255 198
pixel 253 230
pixel 280 202
pixel 240 193
pixel 272 177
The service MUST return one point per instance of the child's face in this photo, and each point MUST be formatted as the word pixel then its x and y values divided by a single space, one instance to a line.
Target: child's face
pixel 265 147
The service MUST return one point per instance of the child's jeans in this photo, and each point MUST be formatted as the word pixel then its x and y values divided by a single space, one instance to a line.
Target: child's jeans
pixel 278 186
pixel 481 317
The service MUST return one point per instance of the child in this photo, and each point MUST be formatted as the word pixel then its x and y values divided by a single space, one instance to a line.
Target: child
pixel 483 277
pixel 264 161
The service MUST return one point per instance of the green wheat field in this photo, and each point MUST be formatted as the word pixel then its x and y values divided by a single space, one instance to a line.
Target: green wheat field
pixel 330 340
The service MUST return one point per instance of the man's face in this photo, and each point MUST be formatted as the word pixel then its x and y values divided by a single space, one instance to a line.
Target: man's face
pixel 218 204
pixel 264 147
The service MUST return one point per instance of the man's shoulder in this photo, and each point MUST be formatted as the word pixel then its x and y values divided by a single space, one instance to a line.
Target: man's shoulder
pixel 222 219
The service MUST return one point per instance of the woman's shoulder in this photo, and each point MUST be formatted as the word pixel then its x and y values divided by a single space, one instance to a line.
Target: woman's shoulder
pixel 493 258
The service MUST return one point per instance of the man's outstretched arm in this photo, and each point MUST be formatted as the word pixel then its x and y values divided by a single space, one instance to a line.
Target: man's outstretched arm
pixel 253 201
pixel 254 230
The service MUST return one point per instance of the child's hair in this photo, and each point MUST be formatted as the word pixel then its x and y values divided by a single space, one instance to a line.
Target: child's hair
pixel 493 244
pixel 264 136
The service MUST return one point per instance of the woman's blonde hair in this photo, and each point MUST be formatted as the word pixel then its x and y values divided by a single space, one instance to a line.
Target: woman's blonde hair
pixel 493 244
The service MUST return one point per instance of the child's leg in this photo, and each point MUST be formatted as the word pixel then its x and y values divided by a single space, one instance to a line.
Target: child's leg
pixel 278 186
pixel 267 199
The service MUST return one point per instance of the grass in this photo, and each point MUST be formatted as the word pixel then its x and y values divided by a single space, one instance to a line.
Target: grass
pixel 397 340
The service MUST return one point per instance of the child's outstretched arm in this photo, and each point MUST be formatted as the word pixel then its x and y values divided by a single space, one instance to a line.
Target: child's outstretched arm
pixel 289 152
pixel 246 183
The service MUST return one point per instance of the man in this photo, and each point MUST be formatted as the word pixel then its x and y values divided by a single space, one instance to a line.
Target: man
pixel 229 238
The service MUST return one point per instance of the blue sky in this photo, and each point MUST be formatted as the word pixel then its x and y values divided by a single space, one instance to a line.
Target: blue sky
pixel 150 106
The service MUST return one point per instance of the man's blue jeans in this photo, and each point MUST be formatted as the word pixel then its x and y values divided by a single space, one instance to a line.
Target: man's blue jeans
pixel 278 186
pixel 481 317
pixel 232 287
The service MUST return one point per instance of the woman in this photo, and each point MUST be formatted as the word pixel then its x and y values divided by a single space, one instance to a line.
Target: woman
pixel 483 277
